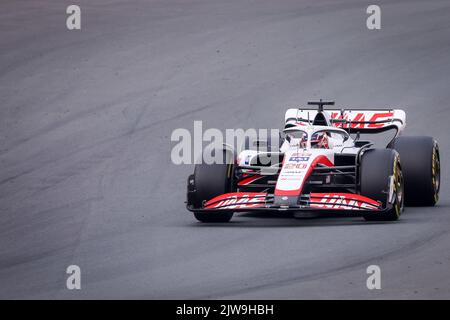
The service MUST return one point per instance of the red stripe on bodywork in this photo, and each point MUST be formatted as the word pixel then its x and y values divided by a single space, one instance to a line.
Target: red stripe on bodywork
pixel 249 180
pixel 318 160
pixel 343 201
pixel 237 200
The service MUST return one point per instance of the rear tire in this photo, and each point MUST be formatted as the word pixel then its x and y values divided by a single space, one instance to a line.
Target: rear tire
pixel 212 180
pixel 377 165
pixel 421 169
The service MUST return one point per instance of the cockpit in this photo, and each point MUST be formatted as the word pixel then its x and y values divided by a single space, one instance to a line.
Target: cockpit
pixel 315 139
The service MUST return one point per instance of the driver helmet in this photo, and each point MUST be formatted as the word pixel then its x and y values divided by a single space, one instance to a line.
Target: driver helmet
pixel 319 140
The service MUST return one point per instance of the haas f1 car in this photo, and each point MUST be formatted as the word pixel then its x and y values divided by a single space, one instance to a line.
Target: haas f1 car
pixel 321 165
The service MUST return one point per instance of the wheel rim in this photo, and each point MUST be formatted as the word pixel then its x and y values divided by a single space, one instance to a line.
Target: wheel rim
pixel 398 189
pixel 436 173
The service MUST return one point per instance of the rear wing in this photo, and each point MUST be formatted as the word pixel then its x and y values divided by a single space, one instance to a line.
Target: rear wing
pixel 354 120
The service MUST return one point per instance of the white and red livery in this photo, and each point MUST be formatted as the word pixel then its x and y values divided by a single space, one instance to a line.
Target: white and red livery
pixel 320 164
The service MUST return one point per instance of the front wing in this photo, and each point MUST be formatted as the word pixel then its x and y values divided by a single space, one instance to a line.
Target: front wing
pixel 324 202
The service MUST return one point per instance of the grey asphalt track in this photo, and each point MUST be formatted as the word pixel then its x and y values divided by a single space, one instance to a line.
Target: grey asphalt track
pixel 85 124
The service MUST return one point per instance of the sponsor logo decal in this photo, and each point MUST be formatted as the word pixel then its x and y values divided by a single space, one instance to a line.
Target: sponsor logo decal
pixel 338 201
pixel 362 119
pixel 298 166
pixel 302 154
pixel 237 201
pixel 298 159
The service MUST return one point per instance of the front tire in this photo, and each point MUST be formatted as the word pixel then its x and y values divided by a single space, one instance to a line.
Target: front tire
pixel 377 166
pixel 212 180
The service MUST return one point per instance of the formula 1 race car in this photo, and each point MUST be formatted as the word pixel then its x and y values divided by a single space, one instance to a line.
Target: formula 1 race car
pixel 319 167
